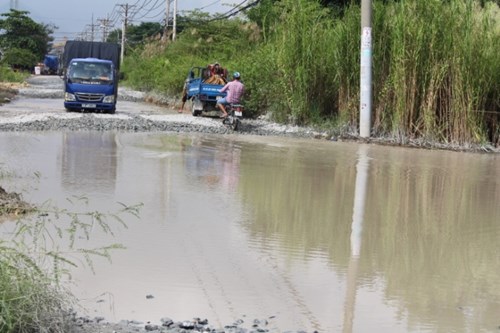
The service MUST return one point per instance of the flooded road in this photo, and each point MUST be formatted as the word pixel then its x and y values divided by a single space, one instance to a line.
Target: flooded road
pixel 310 235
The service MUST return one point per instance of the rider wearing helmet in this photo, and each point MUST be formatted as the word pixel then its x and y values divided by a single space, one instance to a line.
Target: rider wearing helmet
pixel 235 90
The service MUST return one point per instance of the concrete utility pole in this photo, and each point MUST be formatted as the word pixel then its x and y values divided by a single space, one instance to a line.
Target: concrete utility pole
pixel 167 20
pixel 175 21
pixel 124 28
pixel 92 30
pixel 14 4
pixel 105 23
pixel 365 98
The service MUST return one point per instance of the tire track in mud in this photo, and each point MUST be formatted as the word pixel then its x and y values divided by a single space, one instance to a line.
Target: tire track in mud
pixel 216 284
pixel 281 278
pixel 209 279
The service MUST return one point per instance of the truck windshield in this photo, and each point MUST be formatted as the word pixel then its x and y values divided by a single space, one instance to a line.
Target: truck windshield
pixel 90 72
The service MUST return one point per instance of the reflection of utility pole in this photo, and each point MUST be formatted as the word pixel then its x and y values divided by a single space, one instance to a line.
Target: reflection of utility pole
pixel 356 233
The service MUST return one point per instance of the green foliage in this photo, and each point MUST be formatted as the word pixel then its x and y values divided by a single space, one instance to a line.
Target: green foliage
pixel 8 75
pixel 19 58
pixel 435 75
pixel 34 260
pixel 21 35
pixel 115 36
pixel 296 69
pixel 436 70
pixel 264 15
pixel 162 65
pixel 136 34
pixel 28 299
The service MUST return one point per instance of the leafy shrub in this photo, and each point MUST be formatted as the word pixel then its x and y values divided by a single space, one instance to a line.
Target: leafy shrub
pixel 9 75
pixel 19 58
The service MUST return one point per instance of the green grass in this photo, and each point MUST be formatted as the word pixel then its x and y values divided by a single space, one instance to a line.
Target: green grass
pixel 29 300
pixel 8 75
pixel 436 70
pixel 34 263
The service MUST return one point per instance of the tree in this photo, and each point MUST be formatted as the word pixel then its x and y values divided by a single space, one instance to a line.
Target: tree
pixel 136 34
pixel 20 35
pixel 19 58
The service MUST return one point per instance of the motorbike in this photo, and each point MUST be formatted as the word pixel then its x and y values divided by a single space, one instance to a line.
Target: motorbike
pixel 234 116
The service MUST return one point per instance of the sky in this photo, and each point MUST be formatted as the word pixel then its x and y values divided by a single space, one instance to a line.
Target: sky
pixel 75 17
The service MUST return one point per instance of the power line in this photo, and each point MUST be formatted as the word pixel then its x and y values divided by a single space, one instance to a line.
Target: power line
pixel 149 10
pixel 210 4
pixel 144 4
pixel 234 12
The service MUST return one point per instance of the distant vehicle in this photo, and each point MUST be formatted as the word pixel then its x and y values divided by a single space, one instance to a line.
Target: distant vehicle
pixel 50 64
pixel 91 74
pixel 203 95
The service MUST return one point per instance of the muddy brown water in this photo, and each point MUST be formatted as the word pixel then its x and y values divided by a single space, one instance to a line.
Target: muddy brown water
pixel 312 235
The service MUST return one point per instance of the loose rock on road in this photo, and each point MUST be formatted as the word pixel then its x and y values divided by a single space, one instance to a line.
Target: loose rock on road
pixel 39 107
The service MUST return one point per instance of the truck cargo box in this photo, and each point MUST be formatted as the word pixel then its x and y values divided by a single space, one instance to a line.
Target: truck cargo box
pixel 84 49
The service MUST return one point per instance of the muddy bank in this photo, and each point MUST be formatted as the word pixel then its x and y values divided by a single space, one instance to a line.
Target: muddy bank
pixel 12 204
pixel 168 325
pixel 8 91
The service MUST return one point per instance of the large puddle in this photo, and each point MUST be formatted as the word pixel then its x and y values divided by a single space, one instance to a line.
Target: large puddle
pixel 309 235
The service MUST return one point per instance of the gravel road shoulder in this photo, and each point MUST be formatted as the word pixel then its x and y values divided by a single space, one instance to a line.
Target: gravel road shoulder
pixel 38 107
pixel 149 112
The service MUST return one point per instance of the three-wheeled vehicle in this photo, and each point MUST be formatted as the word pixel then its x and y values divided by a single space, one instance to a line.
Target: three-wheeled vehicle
pixel 203 95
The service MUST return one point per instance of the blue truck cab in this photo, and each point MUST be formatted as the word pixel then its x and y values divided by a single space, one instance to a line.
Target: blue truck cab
pixel 91 75
pixel 90 84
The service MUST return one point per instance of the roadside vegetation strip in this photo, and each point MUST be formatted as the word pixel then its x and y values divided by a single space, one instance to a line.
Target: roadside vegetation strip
pixel 32 293
pixel 29 301
pixel 427 84
pixel 10 83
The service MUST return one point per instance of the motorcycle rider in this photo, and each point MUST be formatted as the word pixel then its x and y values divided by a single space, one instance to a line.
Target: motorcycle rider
pixel 235 90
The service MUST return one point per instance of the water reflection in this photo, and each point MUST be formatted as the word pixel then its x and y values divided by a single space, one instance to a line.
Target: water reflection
pixel 356 236
pixel 432 227
pixel 213 163
pixel 88 161
pixel 323 236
